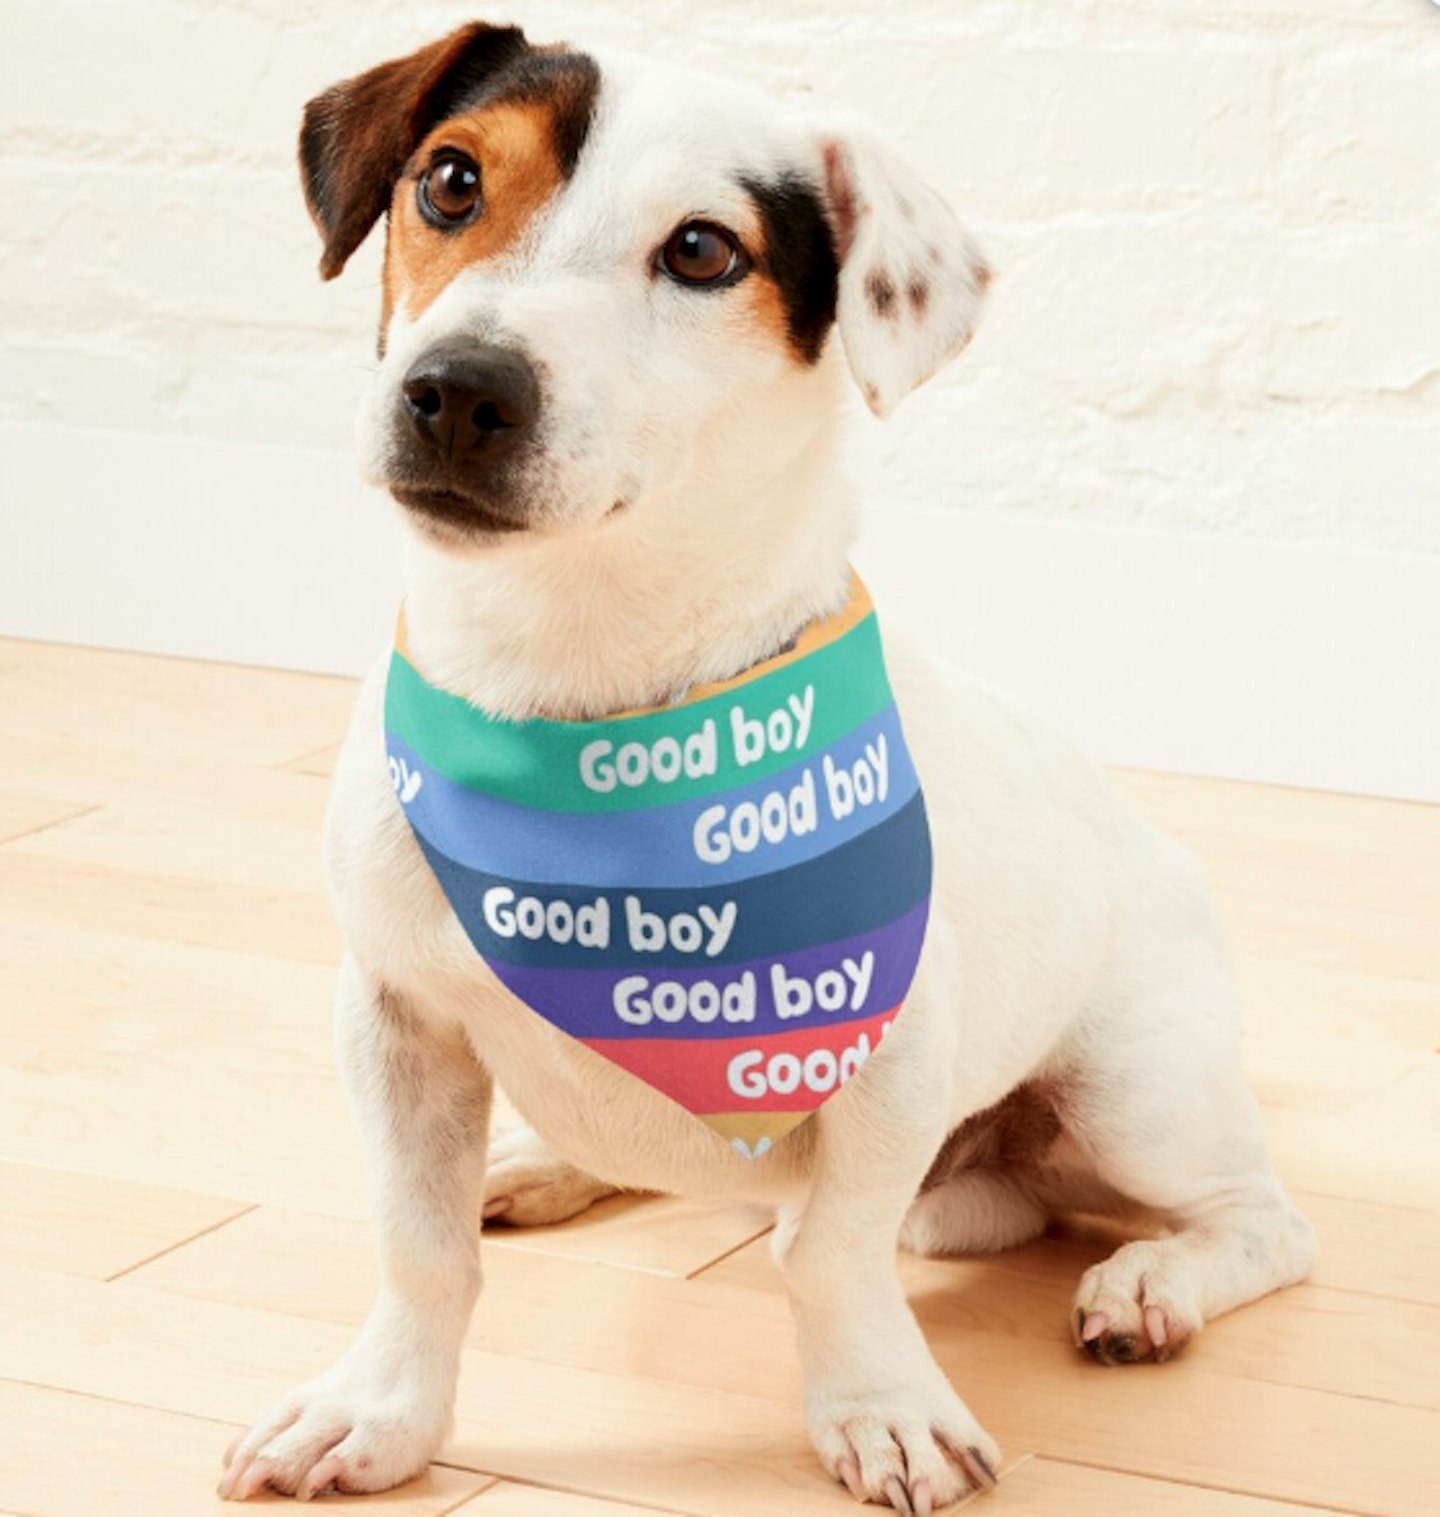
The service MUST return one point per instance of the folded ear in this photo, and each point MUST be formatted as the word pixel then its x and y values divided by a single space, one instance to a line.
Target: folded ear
pixel 357 137
pixel 911 280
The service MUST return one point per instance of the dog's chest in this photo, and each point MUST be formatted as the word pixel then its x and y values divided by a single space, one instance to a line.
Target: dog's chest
pixel 398 919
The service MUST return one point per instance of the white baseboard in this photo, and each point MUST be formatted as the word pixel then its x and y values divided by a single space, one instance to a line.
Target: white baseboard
pixel 1293 664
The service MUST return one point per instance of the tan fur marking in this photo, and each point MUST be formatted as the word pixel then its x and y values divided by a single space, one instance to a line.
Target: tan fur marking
pixel 1013 1136
pixel 514 144
pixel 766 310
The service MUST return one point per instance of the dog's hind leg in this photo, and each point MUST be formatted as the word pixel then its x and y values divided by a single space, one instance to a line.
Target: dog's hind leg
pixel 1166 1119
pixel 377 1416
pixel 978 1211
pixel 528 1184
pixel 983 1191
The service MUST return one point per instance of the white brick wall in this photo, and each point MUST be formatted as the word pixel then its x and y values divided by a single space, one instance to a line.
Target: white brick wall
pixel 1218 226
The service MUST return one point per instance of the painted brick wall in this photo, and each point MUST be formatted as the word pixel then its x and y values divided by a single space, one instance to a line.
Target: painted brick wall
pixel 1217 225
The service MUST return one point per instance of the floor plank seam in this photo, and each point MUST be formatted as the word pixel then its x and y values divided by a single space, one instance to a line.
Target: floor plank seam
pixel 59 821
pixel 184 1242
pixel 490 1482
pixel 1353 1200
pixel 729 1253
pixel 142 1406
pixel 293 764
pixel 629 1503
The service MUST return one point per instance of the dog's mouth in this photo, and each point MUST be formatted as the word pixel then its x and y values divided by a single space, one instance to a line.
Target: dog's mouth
pixel 456 510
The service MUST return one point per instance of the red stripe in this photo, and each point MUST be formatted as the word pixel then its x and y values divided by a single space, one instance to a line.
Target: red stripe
pixel 697 1072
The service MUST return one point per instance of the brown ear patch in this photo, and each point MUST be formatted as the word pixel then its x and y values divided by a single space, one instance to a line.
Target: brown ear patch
pixel 356 137
pixel 359 136
pixel 880 292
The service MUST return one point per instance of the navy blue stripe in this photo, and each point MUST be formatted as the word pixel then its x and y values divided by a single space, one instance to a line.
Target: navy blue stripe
pixel 860 886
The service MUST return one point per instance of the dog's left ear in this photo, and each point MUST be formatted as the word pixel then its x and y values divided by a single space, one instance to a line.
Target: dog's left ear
pixel 911 279
pixel 357 137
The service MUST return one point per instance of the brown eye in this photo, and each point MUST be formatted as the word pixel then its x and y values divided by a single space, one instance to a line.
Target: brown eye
pixel 702 254
pixel 450 190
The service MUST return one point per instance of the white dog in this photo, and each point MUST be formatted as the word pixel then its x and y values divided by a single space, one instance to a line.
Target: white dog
pixel 607 401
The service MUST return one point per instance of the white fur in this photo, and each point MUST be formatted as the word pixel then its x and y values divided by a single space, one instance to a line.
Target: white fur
pixel 1069 946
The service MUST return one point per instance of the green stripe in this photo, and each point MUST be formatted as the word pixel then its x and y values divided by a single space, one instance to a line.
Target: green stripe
pixel 537 763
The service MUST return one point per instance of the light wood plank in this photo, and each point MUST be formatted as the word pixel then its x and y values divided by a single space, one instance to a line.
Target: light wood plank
pixel 215 1078
pixel 22 813
pixel 79 1224
pixel 1043 1487
pixel 1412 1104
pixel 1376 1249
pixel 1310 1336
pixel 560 1311
pixel 38 891
pixel 321 761
pixel 618 1435
pixel 1354 1157
pixel 666 1235
pixel 195 841
pixel 1307 844
pixel 81 1456
pixel 164 708
pixel 1318 1072
pixel 1281 996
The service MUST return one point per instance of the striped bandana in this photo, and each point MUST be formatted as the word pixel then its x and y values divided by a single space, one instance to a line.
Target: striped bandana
pixel 725 897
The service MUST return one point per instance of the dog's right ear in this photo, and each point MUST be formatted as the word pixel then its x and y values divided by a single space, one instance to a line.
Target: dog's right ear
pixel 357 137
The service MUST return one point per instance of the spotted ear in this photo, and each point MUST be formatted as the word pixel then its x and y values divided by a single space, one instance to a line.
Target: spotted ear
pixel 911 280
pixel 357 137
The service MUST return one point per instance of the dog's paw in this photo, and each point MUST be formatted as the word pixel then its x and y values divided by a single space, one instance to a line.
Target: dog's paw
pixel 1136 1306
pixel 914 1450
pixel 323 1437
pixel 527 1185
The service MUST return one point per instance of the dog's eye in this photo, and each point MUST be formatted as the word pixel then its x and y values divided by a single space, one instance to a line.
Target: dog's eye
pixel 450 190
pixel 703 254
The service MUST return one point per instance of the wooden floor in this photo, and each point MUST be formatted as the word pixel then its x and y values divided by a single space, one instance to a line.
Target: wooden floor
pixel 181 1204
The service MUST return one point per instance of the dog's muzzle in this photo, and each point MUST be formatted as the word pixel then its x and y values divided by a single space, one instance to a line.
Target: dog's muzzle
pixel 469 409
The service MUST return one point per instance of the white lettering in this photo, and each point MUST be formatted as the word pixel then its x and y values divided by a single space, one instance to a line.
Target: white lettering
pixel 753 1076
pixel 637 1002
pixel 664 761
pixel 718 833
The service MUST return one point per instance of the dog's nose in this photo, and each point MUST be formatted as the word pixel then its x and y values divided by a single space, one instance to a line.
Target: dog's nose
pixel 465 398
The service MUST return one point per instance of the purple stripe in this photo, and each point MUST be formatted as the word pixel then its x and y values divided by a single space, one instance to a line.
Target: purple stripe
pixel 582 1001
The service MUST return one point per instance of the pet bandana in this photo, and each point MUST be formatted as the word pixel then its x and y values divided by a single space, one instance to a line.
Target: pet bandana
pixel 726 897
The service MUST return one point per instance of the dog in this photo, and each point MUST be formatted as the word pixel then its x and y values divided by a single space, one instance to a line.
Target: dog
pixel 619 305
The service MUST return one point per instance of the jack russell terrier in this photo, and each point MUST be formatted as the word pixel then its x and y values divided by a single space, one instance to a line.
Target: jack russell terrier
pixel 627 820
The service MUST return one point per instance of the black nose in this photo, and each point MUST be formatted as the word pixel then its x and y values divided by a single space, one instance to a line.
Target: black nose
pixel 465 398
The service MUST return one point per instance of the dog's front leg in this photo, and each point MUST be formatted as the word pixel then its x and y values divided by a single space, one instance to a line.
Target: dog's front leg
pixel 377 1416
pixel 884 1418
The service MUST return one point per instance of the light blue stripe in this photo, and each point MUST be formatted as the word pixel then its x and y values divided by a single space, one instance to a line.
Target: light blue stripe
pixel 635 849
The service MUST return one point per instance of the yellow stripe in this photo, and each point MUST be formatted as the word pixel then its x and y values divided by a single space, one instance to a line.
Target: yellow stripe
pixel 751 1126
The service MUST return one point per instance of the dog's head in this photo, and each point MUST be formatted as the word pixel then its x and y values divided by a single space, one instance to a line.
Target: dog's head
pixel 598 273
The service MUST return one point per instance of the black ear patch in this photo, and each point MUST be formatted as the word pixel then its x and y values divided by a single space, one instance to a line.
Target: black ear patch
pixel 568 83
pixel 799 256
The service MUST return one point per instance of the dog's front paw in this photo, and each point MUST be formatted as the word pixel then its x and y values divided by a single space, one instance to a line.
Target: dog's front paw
pixel 328 1436
pixel 913 1449
pixel 527 1185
